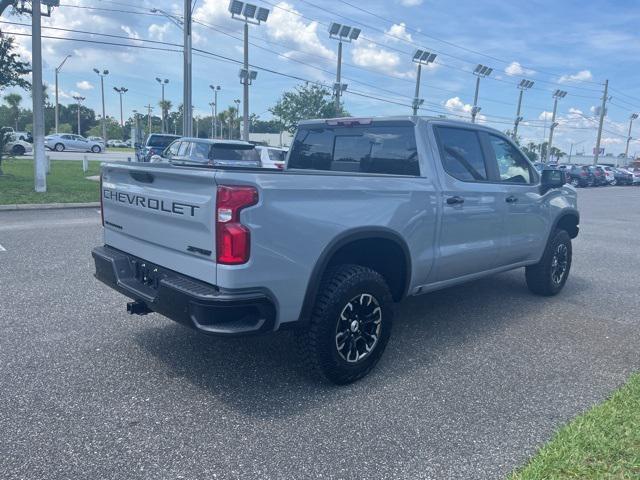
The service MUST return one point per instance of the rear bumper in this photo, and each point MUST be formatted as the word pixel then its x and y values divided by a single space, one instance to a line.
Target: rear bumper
pixel 199 305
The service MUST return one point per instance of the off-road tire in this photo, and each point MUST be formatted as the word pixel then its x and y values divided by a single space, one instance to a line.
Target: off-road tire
pixel 316 342
pixel 539 276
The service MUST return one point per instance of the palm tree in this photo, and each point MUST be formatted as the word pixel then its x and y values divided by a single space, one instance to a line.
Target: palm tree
pixel 165 107
pixel 13 100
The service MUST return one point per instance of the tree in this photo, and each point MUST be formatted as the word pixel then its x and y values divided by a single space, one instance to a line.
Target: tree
pixel 305 102
pixel 165 107
pixel 5 137
pixel 114 130
pixel 12 69
pixel 13 100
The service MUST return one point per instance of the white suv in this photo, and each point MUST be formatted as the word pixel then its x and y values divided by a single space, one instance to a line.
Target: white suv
pixel 272 157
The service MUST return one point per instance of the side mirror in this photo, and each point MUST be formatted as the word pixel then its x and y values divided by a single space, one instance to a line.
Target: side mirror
pixel 551 179
pixel 155 159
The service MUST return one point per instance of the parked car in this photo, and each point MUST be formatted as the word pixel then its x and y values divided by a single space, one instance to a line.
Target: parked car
pixel 17 147
pixel 635 172
pixel 623 177
pixel 272 157
pixel 609 173
pixel 599 177
pixel 116 144
pixel 580 176
pixel 366 213
pixel 69 141
pixel 217 153
pixel 154 145
pixel 540 167
pixel 23 136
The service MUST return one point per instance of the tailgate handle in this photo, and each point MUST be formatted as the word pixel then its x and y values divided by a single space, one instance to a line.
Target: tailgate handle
pixel 142 177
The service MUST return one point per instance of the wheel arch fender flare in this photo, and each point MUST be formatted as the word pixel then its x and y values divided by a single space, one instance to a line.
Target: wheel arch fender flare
pixel 340 241
pixel 566 214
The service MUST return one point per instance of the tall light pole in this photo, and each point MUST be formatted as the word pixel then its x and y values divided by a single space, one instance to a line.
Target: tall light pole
pixel 633 117
pixel 58 68
pixel 557 95
pixel 215 89
pixel 149 108
pixel 249 14
pixel 104 119
pixel 603 113
pixel 237 102
pixel 347 34
pixel 212 105
pixel 121 91
pixel 162 113
pixel 481 71
pixel 421 57
pixel 523 85
pixel 137 135
pixel 79 99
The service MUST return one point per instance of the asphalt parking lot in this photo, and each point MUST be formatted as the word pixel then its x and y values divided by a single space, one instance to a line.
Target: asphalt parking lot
pixel 473 380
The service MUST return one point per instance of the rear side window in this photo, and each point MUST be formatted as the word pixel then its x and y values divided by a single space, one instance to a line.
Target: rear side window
pixel 461 153
pixel 161 141
pixel 277 155
pixel 230 152
pixel 200 151
pixel 383 149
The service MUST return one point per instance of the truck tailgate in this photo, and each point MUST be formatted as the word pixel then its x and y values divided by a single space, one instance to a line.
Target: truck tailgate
pixel 163 214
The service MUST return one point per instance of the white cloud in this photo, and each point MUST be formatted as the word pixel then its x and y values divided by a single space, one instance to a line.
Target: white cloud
pixel 612 141
pixel 545 116
pixel 582 75
pixel 157 32
pixel 459 108
pixel 131 33
pixel 212 10
pixel 515 68
pixel 287 27
pixel 398 31
pixel 411 3
pixel 380 59
pixel 84 85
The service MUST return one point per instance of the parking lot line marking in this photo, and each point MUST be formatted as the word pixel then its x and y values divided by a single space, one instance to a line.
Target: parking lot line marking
pixel 2 249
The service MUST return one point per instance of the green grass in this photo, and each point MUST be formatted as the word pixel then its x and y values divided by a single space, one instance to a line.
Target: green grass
pixel 603 443
pixel 65 184
pixel 121 149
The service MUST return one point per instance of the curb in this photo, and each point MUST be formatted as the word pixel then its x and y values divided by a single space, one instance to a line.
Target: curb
pixel 48 206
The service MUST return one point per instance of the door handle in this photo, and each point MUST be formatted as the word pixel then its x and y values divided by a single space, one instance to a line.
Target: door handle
pixel 511 199
pixel 455 200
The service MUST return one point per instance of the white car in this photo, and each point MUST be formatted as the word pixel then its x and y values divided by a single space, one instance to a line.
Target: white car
pixel 17 147
pixel 69 141
pixel 635 172
pixel 609 173
pixel 272 157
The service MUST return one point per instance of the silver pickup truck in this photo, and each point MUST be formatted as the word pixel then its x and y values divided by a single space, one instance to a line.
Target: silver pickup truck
pixel 367 212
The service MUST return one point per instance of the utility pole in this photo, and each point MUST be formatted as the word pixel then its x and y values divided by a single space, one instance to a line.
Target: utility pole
pixel 523 85
pixel 149 108
pixel 481 71
pixel 37 89
pixel 58 68
pixel 603 112
pixel 79 99
pixel 104 117
pixel 633 117
pixel 162 112
pixel 121 91
pixel 212 105
pixel 557 95
pixel 341 33
pixel 421 57
pixel 187 118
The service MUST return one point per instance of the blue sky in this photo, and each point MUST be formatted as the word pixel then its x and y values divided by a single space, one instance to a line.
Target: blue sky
pixel 571 45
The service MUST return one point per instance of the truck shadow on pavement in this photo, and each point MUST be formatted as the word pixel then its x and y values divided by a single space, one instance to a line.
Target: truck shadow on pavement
pixel 261 375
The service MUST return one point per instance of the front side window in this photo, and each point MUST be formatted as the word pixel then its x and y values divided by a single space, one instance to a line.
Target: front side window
pixel 461 153
pixel 184 148
pixel 512 166
pixel 382 149
pixel 172 150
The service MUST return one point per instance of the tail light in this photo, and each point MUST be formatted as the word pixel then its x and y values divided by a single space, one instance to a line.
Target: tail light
pixel 233 240
pixel 101 201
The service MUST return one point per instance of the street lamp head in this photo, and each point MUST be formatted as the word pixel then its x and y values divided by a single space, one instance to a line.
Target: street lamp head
pixel 159 80
pixel 263 14
pixel 482 70
pixel 166 80
pixel 355 33
pixel 105 72
pixel 345 31
pixel 525 84
pixel 424 57
pixel 334 28
pixel 97 71
pixel 235 7
pixel 634 116
pixel 249 10
pixel 559 94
